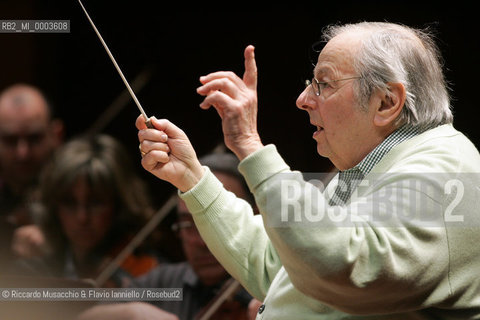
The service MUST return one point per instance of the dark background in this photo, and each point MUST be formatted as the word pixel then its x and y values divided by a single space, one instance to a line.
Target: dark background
pixel 178 42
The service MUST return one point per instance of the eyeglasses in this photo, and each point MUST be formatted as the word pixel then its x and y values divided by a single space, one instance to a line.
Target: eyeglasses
pixel 190 231
pixel 185 225
pixel 181 225
pixel 319 86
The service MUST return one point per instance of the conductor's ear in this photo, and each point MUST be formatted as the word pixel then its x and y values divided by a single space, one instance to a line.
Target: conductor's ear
pixel 391 104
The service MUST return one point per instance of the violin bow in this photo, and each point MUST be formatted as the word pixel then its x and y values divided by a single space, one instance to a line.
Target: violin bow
pixel 229 288
pixel 144 232
pixel 119 103
pixel 137 240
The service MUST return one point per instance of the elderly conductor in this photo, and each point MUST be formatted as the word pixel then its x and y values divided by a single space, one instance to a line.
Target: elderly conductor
pixel 393 236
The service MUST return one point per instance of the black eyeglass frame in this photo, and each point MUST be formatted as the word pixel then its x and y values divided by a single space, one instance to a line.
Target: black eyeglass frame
pixel 318 86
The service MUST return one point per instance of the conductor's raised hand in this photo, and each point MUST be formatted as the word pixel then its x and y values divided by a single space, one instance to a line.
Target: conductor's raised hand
pixel 235 100
pixel 168 154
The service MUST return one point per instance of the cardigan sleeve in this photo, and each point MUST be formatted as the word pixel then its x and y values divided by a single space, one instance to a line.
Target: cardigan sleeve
pixel 233 234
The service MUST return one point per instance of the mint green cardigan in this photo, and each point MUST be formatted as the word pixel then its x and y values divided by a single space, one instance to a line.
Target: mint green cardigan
pixel 366 268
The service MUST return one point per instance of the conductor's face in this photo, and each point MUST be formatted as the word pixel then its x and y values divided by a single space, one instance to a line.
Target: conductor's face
pixel 341 124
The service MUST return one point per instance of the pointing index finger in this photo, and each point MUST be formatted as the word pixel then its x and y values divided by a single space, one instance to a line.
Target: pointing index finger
pixel 250 75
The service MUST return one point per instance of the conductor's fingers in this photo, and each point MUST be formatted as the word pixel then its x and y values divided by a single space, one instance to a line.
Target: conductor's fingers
pixel 154 158
pixel 153 135
pixel 140 122
pixel 250 75
pixel 170 129
pixel 219 101
pixel 147 146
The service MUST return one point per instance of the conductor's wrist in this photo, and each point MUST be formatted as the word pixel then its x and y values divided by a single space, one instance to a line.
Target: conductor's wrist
pixel 243 150
pixel 191 178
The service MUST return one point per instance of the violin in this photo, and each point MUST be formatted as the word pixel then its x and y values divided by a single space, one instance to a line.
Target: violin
pixel 131 266
pixel 225 305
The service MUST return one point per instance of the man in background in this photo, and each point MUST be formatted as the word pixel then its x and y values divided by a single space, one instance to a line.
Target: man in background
pixel 201 276
pixel 28 136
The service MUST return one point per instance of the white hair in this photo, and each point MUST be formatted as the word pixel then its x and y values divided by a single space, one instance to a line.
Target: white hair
pixel 395 53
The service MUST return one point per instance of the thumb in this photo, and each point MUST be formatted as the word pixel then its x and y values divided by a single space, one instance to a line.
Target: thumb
pixel 168 127
pixel 250 75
